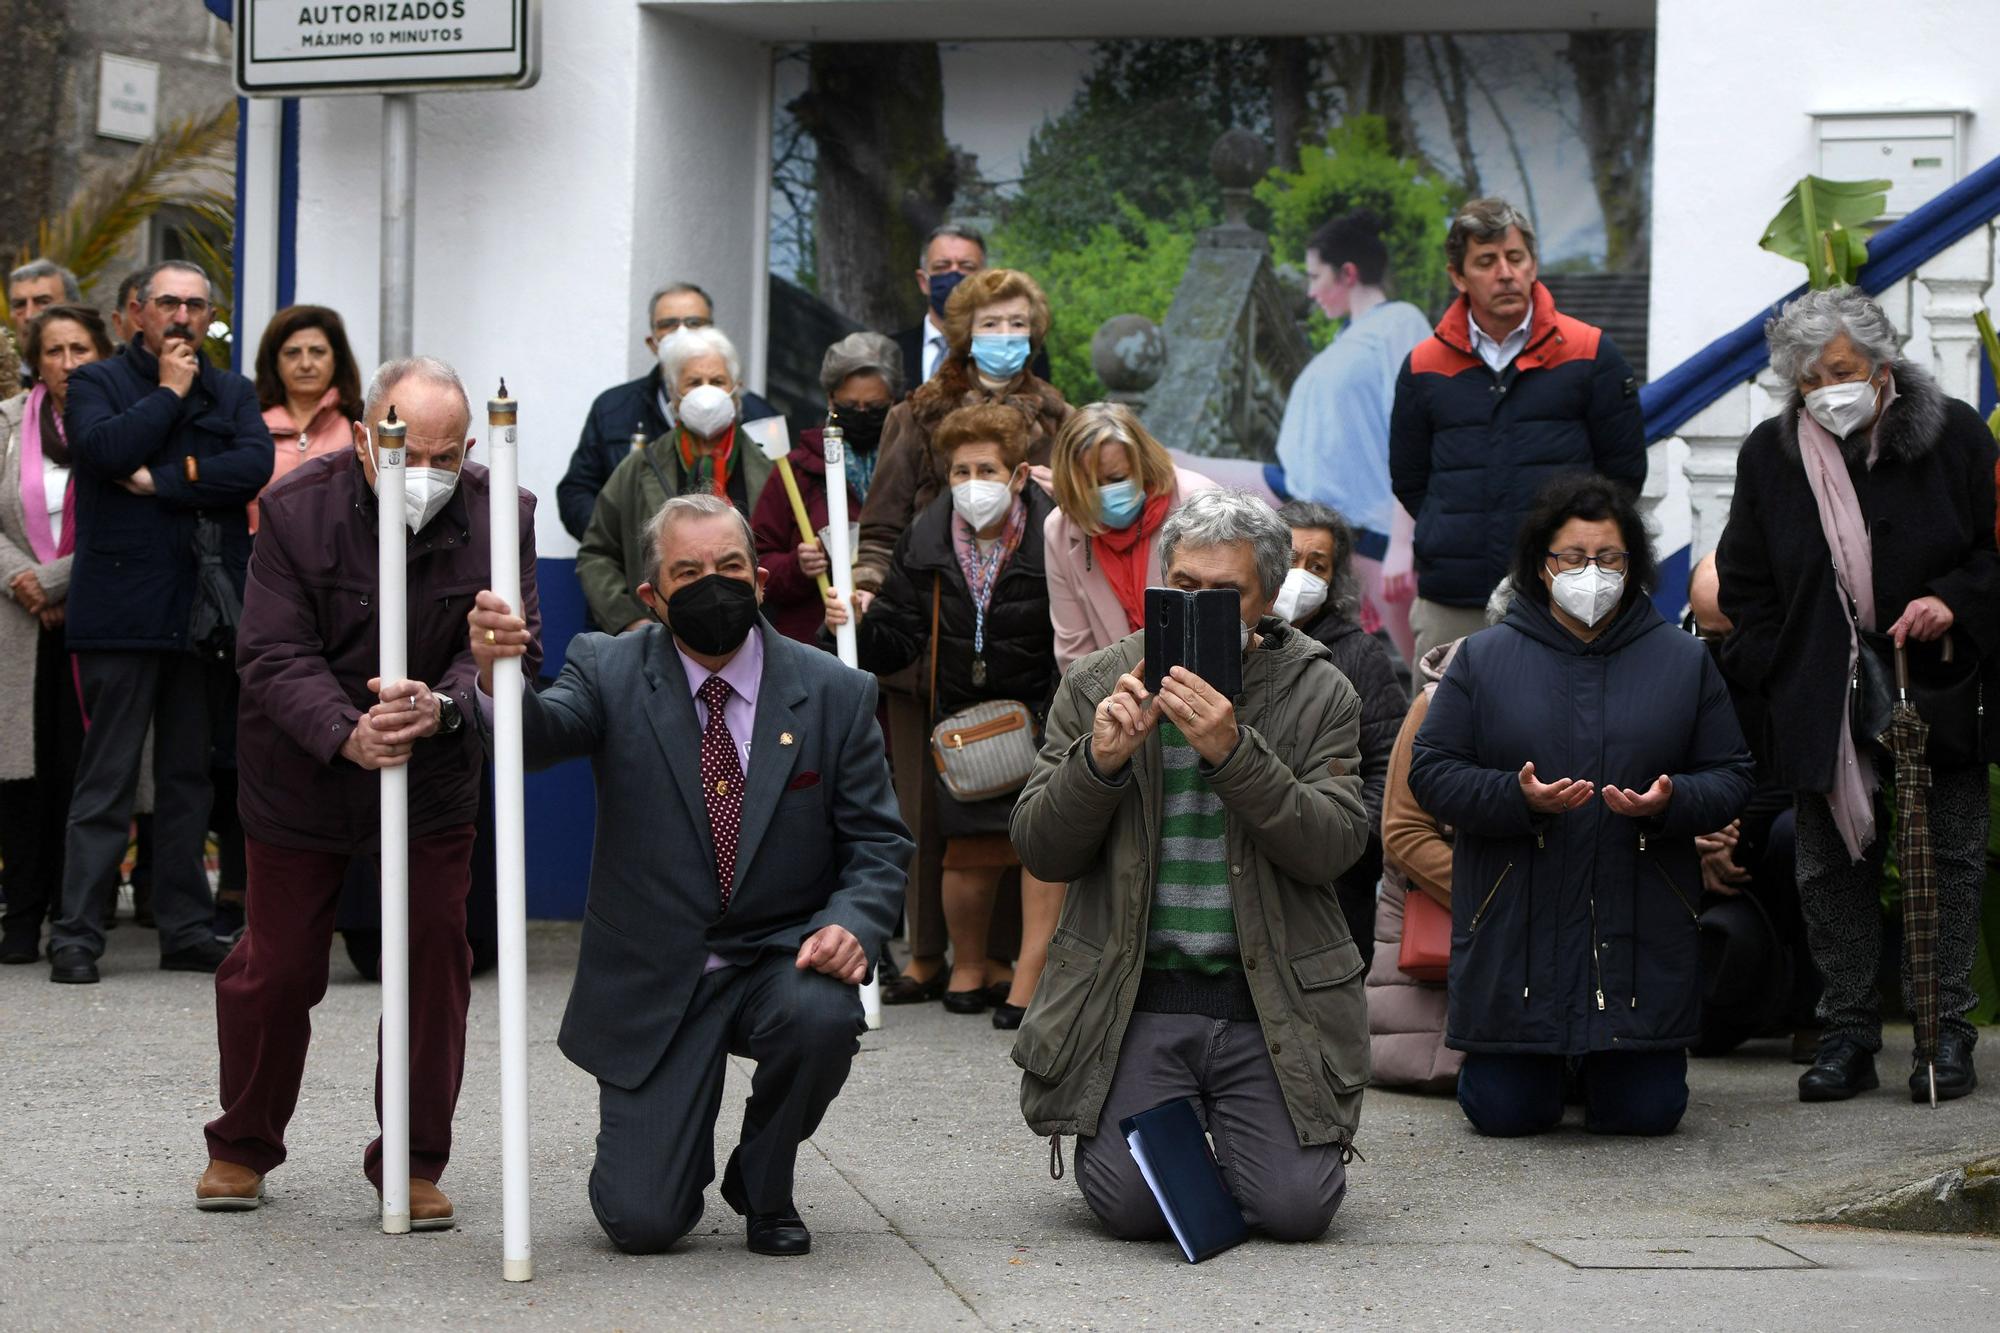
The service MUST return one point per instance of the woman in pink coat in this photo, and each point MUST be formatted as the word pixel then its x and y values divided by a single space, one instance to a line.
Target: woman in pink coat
pixel 1114 485
pixel 308 386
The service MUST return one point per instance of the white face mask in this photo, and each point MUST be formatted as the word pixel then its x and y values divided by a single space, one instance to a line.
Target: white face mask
pixel 1589 594
pixel 1303 594
pixel 706 410
pixel 981 503
pixel 425 489
pixel 1843 408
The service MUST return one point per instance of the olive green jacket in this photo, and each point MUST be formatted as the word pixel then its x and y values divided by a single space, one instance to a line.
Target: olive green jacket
pixel 1291 791
pixel 611 560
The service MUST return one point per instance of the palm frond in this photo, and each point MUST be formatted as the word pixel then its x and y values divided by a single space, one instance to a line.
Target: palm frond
pixel 187 165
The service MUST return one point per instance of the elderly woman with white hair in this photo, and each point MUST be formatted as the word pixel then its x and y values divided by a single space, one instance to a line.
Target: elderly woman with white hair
pixel 1863 525
pixel 862 376
pixel 701 453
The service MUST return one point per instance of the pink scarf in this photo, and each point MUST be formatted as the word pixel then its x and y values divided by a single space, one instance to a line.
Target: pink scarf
pixel 44 544
pixel 1852 799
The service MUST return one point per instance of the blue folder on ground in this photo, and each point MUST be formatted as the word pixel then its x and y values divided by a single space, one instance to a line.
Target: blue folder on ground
pixel 1173 1155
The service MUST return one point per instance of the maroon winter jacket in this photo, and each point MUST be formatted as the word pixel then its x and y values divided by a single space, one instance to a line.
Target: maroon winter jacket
pixel 307 646
pixel 791 597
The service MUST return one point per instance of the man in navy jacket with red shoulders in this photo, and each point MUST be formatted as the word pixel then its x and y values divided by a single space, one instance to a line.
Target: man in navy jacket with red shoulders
pixel 1507 393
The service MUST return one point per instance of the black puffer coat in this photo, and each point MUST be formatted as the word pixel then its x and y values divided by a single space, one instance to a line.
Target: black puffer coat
pixel 1576 933
pixel 1928 502
pixel 1020 639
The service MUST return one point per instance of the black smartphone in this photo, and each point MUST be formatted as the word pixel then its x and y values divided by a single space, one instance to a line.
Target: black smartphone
pixel 1198 630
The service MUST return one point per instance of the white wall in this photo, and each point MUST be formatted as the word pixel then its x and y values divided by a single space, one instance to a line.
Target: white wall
pixel 545 216
pixel 1735 83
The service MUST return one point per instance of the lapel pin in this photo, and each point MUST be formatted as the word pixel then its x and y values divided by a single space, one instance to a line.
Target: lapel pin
pixel 784 738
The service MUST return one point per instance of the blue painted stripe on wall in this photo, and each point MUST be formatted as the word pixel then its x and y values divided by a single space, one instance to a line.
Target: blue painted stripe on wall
pixel 561 801
pixel 288 201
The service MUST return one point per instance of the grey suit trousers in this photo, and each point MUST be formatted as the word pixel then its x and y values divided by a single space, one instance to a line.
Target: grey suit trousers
pixel 123 694
pixel 656 1142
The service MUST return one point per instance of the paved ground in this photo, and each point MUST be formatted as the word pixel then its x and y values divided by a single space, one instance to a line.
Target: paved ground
pixel 930 1202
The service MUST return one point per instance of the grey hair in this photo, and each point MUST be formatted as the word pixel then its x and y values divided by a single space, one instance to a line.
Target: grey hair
pixel 1501 601
pixel 426 368
pixel 862 354
pixel 958 231
pixel 680 507
pixel 1484 220
pixel 1222 517
pixel 686 345
pixel 1343 595
pixel 1798 334
pixel 176 266
pixel 675 289
pixel 48 268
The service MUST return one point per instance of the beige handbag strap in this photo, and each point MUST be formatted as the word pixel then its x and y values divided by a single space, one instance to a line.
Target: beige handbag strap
pixel 937 599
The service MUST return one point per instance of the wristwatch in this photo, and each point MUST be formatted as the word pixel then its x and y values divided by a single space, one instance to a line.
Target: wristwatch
pixel 449 718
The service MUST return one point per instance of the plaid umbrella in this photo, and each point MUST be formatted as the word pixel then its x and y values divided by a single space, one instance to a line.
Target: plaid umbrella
pixel 1906 738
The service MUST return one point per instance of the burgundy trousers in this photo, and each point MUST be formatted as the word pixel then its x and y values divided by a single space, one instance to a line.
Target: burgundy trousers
pixel 266 988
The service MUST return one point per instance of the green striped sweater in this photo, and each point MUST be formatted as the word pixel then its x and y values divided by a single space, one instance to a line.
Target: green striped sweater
pixel 1191 926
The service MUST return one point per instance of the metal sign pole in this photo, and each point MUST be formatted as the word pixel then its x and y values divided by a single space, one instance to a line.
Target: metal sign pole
pixel 510 851
pixel 391 601
pixel 399 225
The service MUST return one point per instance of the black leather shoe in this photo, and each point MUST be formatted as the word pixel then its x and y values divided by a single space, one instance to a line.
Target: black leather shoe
pixel 1007 1017
pixel 1955 1075
pixel 906 989
pixel 204 956
pixel 778 1233
pixel 1841 1071
pixel 72 965
pixel 966 1002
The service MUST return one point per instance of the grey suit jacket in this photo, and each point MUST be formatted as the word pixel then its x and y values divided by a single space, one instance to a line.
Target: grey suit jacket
pixel 821 842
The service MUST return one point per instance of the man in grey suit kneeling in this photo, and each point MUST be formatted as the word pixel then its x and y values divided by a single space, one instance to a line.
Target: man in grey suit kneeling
pixel 748 862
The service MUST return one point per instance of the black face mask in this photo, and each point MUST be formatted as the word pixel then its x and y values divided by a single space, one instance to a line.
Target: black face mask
pixel 713 614
pixel 860 427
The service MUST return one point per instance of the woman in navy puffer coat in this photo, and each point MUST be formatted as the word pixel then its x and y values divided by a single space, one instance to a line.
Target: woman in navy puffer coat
pixel 1577 748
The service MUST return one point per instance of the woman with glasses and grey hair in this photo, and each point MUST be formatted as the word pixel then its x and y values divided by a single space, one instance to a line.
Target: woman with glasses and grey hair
pixel 1863 525
pixel 1577 749
pixel 862 376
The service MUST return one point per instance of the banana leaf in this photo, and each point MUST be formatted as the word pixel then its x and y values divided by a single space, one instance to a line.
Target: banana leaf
pixel 1821 226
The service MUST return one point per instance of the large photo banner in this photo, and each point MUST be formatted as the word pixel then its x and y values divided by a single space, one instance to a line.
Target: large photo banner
pixel 1167 195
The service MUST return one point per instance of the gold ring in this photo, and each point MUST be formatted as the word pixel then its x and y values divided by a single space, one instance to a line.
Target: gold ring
pixel 490 638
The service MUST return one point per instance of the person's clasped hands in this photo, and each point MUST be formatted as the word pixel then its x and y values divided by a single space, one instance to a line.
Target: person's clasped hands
pixel 405 712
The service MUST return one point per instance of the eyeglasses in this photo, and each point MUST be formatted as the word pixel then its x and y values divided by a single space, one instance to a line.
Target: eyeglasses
pixel 166 305
pixel 1611 562
pixel 676 325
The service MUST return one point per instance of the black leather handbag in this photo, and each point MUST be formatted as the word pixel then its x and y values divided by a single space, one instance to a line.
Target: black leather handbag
pixel 1950 697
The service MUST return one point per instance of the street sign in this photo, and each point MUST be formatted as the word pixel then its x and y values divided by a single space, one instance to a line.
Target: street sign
pixel 292 48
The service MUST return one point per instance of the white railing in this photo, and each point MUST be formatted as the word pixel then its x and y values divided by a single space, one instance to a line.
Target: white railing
pixel 1934 309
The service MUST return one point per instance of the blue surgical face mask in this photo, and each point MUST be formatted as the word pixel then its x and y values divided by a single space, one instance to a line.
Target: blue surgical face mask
pixel 1119 503
pixel 941 289
pixel 1000 356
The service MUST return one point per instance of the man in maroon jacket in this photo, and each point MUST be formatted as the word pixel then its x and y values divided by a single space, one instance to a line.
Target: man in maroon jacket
pixel 315 727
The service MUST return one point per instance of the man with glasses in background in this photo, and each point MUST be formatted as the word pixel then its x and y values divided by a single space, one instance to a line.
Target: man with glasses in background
pixel 166 452
pixel 951 254
pixel 637 408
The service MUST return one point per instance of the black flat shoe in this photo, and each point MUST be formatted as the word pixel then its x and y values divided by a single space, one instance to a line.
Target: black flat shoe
pixel 781 1234
pixel 72 965
pixel 1007 1017
pixel 996 994
pixel 906 989
pixel 1842 1070
pixel 1955 1074
pixel 203 956
pixel 966 1001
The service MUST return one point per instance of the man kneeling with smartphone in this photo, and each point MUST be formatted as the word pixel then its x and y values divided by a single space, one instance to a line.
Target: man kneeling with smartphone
pixel 1201 952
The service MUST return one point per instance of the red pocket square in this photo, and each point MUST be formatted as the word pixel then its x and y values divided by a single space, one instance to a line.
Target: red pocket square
pixel 803 781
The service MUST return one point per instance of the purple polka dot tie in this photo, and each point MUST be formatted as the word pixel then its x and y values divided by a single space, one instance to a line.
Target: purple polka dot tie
pixel 721 782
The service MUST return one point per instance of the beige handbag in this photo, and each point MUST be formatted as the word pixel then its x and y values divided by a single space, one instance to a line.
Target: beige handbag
pixel 983 751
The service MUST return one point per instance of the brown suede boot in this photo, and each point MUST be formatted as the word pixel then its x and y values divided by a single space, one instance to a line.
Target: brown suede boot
pixel 228 1188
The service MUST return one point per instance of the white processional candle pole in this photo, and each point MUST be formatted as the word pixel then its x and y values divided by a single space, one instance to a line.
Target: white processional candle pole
pixel 841 557
pixel 510 850
pixel 391 600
